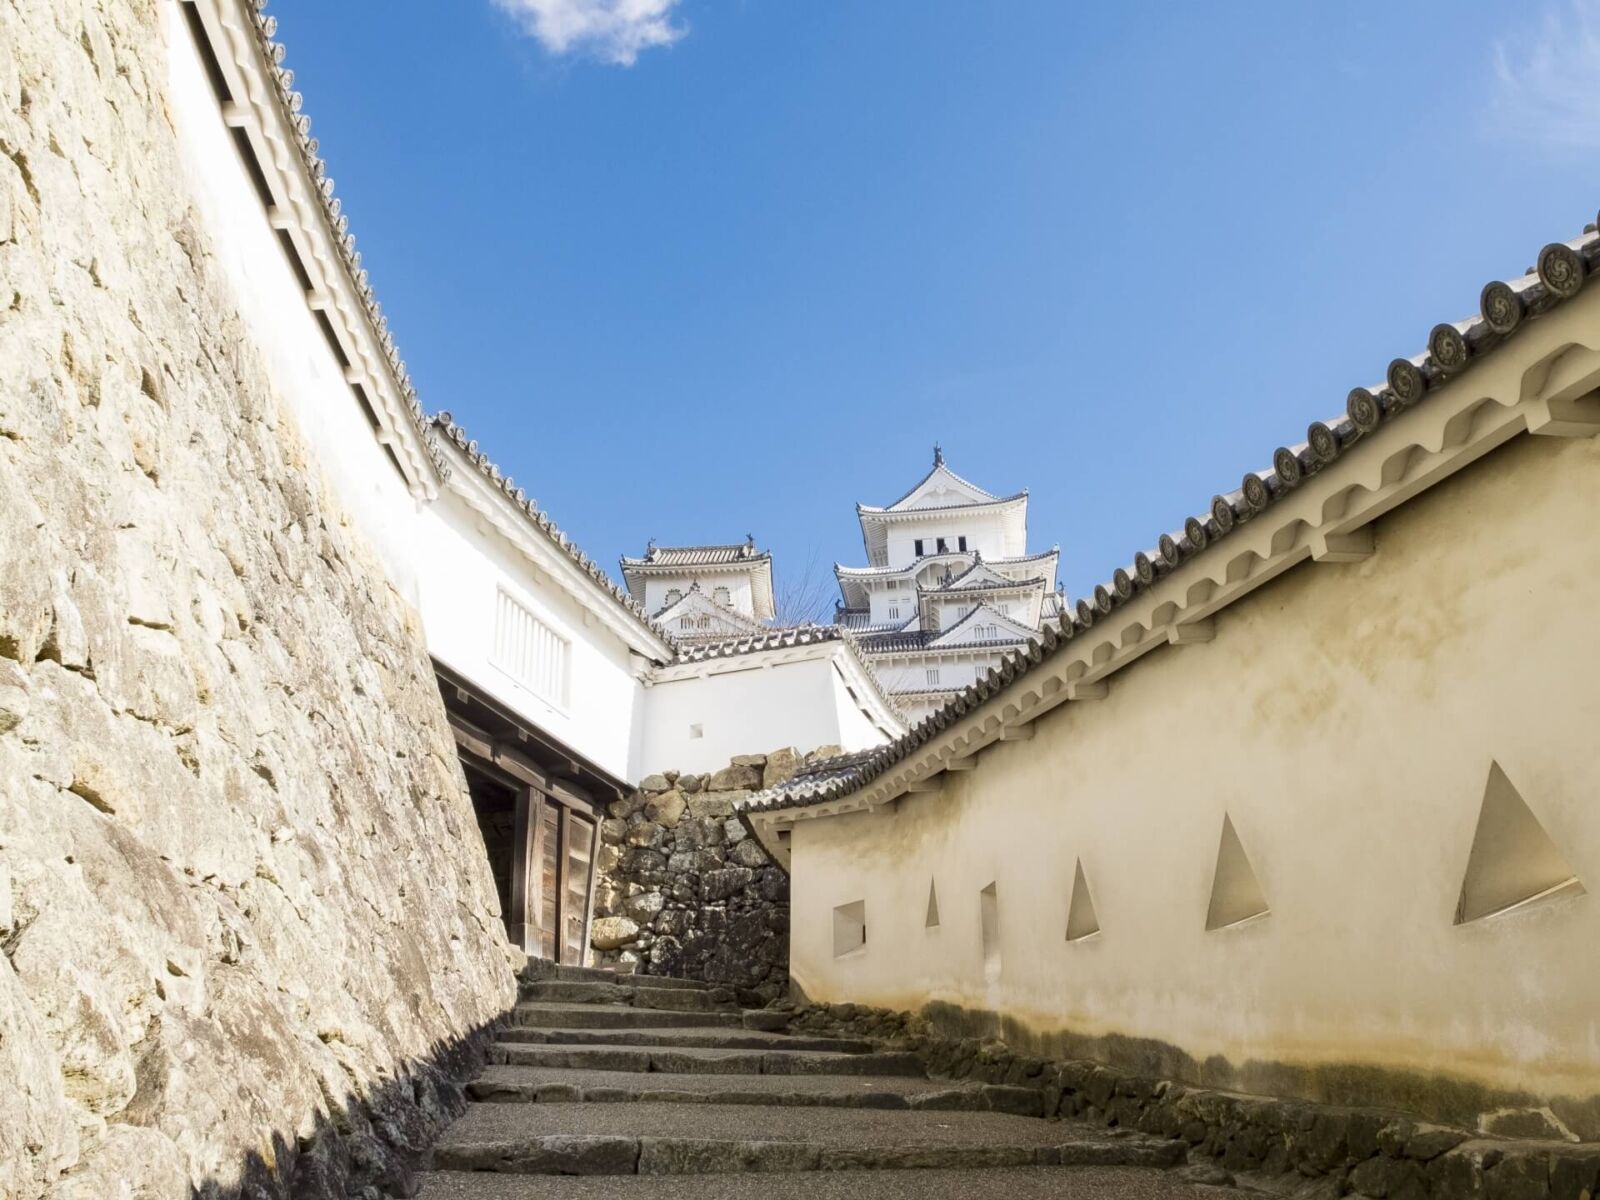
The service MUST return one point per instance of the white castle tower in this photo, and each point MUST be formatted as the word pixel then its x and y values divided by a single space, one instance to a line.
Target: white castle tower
pixel 704 592
pixel 948 589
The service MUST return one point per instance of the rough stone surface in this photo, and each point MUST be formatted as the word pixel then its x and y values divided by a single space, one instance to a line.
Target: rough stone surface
pixel 685 891
pixel 1335 1151
pixel 248 927
pixel 1024 1183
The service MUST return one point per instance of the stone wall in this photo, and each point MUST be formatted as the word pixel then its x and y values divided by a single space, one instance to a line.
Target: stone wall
pixel 248 931
pixel 1278 1146
pixel 685 890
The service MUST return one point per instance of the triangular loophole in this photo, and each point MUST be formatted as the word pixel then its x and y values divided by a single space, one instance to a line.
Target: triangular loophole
pixel 1235 891
pixel 932 921
pixel 1081 919
pixel 1513 860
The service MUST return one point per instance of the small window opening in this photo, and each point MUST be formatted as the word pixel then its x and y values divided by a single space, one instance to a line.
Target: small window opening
pixel 961 542
pixel 849 928
pixel 918 547
pixel 941 546
pixel 989 924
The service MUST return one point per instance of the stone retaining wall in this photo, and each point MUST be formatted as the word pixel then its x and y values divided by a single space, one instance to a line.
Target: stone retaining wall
pixel 248 935
pixel 684 888
pixel 1335 1151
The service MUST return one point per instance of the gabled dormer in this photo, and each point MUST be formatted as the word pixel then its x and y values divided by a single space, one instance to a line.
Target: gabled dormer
pixel 984 625
pixel 693 615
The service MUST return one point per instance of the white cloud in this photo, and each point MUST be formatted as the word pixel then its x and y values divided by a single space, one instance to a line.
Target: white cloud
pixel 1547 80
pixel 613 31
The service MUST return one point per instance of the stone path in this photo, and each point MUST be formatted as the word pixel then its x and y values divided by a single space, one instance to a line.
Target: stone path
pixel 665 1088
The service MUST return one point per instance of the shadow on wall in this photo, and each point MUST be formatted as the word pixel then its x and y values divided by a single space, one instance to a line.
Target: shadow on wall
pixel 368 1146
pixel 1435 1097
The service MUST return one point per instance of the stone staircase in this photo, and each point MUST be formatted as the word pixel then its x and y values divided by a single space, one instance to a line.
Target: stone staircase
pixel 609 1076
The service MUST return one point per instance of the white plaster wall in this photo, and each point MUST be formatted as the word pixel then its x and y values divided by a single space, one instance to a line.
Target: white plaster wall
pixel 856 730
pixel 304 370
pixel 749 711
pixel 465 567
pixel 901 595
pixel 1346 717
pixel 982 533
pixel 435 555
pixel 911 675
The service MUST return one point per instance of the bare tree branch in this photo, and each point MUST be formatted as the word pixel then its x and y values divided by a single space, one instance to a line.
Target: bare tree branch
pixel 806 596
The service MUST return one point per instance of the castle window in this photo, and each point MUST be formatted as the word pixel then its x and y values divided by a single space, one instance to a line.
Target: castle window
pixel 529 651
pixel 686 623
pixel 705 622
pixel 918 545
pixel 941 546
pixel 894 612
pixel 723 597
pixel 962 542
pixel 933 676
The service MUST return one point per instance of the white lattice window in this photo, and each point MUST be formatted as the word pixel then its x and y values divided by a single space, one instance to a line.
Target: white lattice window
pixel 529 651
pixel 933 676
pixel 894 611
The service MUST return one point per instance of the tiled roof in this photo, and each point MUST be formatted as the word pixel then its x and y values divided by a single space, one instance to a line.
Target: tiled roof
pixel 698 556
pixel 917 563
pixel 923 639
pixel 938 468
pixel 1559 274
pixel 291 104
pixel 771 639
pixel 783 639
pixel 446 426
pixel 983 585
pixel 869 510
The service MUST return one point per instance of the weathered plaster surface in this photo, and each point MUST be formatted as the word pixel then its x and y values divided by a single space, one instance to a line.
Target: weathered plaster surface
pixel 1345 717
pixel 243 902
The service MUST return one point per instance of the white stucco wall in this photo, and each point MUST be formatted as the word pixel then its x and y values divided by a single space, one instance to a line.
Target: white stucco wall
pixel 436 554
pixel 283 328
pixel 465 570
pixel 983 533
pixel 1345 718
pixel 761 705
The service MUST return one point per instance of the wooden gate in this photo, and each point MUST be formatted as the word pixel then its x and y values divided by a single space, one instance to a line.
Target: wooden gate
pixel 559 800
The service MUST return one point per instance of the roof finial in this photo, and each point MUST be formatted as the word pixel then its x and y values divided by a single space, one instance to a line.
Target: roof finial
pixel 938 455
pixel 749 543
pixel 650 548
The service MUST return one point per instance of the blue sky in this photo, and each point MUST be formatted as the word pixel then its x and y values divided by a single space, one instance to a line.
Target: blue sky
pixel 692 269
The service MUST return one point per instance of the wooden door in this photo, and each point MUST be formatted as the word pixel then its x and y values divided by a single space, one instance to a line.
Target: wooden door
pixel 577 878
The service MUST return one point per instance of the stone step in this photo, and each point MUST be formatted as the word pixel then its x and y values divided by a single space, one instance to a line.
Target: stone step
pixel 1019 1183
pixel 699 1060
pixel 712 1038
pixel 505 1084
pixel 706 1139
pixel 618 1016
pixel 566 974
pixel 675 999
